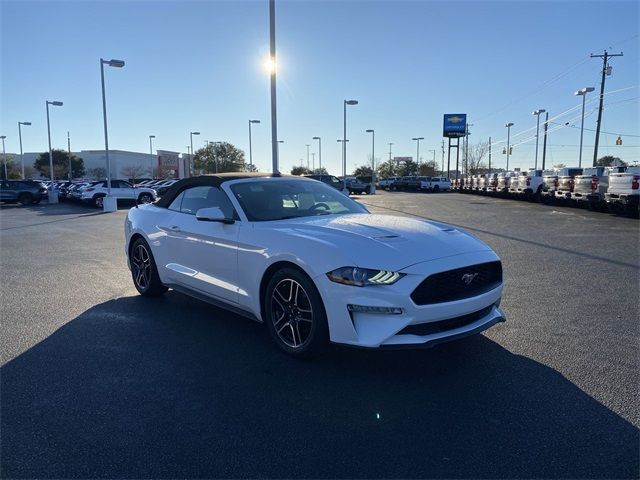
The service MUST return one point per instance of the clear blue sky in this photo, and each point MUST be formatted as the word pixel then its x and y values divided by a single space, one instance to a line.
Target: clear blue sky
pixel 199 66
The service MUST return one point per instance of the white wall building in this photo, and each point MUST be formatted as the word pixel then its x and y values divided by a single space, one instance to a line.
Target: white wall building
pixel 119 160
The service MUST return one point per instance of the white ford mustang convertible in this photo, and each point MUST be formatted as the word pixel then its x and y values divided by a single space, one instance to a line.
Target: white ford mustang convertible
pixel 312 264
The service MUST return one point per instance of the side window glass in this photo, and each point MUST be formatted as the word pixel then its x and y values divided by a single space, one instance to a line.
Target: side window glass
pixel 175 205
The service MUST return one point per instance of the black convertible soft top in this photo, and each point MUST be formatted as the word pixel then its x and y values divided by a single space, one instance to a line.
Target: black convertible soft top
pixel 203 180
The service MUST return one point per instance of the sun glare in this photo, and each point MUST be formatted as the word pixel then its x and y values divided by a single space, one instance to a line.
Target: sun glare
pixel 269 65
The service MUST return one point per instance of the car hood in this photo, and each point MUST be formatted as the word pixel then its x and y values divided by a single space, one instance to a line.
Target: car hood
pixel 384 241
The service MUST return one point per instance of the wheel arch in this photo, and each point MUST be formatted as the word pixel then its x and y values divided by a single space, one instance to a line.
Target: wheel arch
pixel 269 272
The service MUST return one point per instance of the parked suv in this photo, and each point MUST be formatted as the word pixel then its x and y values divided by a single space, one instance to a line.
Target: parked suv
pixel 120 189
pixel 440 184
pixel 357 186
pixel 330 180
pixel 25 192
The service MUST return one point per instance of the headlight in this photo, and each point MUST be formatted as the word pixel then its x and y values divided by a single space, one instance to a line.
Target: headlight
pixel 361 277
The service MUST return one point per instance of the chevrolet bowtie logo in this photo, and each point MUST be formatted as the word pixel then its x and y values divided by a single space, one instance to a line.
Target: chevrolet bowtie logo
pixel 467 278
pixel 454 119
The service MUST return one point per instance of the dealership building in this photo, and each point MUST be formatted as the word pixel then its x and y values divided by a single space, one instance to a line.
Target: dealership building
pixel 164 164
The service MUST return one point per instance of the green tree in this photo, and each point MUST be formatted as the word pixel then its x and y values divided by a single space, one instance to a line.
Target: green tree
pixel 320 171
pixel 387 169
pixel 408 168
pixel 300 171
pixel 363 171
pixel 60 165
pixel 427 169
pixel 609 160
pixel 219 157
pixel 14 170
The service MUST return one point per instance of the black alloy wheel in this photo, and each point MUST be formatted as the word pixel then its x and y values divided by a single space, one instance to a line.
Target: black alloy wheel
pixel 144 271
pixel 295 314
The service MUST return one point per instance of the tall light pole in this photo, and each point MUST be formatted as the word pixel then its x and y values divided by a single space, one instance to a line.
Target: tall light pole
pixel 4 157
pixel 151 137
pixel 344 142
pixel 53 194
pixel 417 139
pixel 275 147
pixel 191 169
pixel 319 152
pixel 390 143
pixel 537 114
pixel 20 137
pixel 508 125
pixel 583 93
pixel 250 150
pixel 111 205
pixel 307 145
pixel 313 161
pixel 373 161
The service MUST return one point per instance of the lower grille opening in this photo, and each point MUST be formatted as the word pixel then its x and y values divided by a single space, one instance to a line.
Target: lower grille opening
pixel 445 325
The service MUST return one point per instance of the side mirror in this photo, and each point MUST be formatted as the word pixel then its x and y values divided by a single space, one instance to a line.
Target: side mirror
pixel 213 214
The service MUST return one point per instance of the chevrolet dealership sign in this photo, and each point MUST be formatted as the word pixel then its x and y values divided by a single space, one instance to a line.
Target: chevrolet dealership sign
pixel 455 125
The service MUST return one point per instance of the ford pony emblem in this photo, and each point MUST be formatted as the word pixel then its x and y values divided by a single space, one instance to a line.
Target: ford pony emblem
pixel 467 278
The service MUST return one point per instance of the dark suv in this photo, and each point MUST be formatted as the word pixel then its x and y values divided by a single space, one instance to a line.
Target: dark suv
pixel 330 180
pixel 25 192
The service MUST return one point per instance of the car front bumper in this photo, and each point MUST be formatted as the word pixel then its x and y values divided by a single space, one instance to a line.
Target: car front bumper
pixel 416 325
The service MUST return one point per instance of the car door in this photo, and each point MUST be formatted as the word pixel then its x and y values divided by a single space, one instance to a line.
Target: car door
pixel 126 190
pixel 205 254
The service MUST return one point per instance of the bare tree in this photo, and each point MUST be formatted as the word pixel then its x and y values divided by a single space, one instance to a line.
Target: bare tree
pixel 132 172
pixel 476 156
pixel 98 173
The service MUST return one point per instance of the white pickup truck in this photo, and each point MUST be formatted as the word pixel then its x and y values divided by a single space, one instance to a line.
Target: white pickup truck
pixel 623 194
pixel 533 184
pixel 590 188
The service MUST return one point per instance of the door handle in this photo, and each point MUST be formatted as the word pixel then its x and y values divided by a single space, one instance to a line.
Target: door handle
pixel 175 228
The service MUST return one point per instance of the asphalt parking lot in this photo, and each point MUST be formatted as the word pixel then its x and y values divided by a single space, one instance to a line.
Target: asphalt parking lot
pixel 97 381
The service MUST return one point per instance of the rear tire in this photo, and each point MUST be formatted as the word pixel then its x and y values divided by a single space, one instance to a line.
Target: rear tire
pixel 145 198
pixel 295 315
pixel 25 199
pixel 98 201
pixel 144 271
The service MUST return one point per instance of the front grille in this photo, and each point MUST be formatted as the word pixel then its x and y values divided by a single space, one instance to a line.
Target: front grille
pixel 450 285
pixel 445 325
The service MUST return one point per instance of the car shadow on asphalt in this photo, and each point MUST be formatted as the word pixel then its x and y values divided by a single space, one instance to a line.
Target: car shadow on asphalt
pixel 172 387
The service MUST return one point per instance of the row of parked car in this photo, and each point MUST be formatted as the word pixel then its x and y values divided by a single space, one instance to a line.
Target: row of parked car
pixel 416 184
pixel 614 189
pixel 28 192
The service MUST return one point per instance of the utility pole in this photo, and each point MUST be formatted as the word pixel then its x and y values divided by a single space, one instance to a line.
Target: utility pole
pixel 606 70
pixel 390 143
pixel 489 155
pixel 442 171
pixel 544 144
pixel 69 150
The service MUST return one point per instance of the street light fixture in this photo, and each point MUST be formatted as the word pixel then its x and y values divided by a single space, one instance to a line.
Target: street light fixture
pixel 344 143
pixel 151 137
pixel 110 204
pixel 53 194
pixel 583 93
pixel 191 169
pixel 4 157
pixel 508 125
pixel 537 114
pixel 20 136
pixel 373 161
pixel 319 151
pixel 417 139
pixel 250 150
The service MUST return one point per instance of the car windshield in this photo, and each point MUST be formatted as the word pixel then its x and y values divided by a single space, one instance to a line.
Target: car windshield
pixel 281 199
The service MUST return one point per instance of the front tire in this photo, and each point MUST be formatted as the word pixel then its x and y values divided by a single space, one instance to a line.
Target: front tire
pixel 144 271
pixel 25 199
pixel 145 198
pixel 295 315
